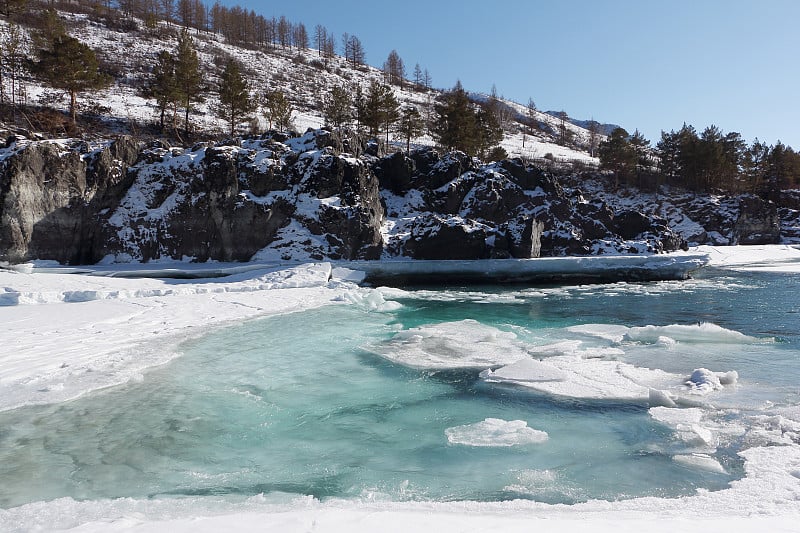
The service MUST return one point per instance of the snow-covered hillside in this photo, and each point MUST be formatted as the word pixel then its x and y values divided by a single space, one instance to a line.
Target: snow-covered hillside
pixel 301 73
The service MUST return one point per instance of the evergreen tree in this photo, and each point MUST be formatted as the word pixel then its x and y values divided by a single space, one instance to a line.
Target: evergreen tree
pixel 618 155
pixel 668 150
pixel 187 74
pixel 641 147
pixel 338 108
pixel 379 109
pixel 163 86
pixel 235 101
pixel 410 125
pixel 277 110
pixel 460 126
pixel 755 166
pixel 489 132
pixel 456 125
pixel 70 65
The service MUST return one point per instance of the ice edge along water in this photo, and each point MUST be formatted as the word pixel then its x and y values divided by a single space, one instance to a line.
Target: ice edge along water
pixel 50 348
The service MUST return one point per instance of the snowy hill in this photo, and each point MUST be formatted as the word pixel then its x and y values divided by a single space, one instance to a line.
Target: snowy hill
pixel 302 74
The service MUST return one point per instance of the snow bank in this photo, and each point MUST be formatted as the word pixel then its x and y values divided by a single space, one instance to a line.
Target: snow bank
pixel 768 258
pixel 66 334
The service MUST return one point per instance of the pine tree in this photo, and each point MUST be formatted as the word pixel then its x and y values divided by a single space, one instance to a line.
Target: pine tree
pixel 235 101
pixel 410 125
pixel 277 110
pixel 163 86
pixel 489 131
pixel 338 108
pixel 379 109
pixel 459 126
pixel 70 65
pixel 618 155
pixel 187 74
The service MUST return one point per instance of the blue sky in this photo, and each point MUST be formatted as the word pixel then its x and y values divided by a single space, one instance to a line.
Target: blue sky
pixel 638 63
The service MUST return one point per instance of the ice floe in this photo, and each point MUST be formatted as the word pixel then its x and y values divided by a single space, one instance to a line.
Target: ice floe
pixel 701 462
pixel 452 345
pixel 495 432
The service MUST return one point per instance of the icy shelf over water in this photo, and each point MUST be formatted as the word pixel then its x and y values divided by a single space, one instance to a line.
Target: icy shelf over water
pixel 544 270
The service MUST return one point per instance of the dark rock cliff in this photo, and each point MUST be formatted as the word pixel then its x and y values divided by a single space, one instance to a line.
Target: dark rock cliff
pixel 278 198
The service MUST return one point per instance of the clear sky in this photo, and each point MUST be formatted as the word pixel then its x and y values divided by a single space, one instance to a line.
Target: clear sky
pixel 651 65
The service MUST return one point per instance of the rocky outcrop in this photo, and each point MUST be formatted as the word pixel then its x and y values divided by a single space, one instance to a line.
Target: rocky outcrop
pixel 742 219
pixel 52 193
pixel 74 203
pixel 280 197
pixel 516 209
pixel 758 222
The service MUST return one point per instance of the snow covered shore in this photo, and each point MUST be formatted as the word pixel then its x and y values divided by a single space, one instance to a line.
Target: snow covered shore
pixel 64 335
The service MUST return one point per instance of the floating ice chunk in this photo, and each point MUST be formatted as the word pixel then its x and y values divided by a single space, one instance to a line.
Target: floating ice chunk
pixel 526 371
pixel 495 432
pixel 699 333
pixel 369 299
pixel 660 398
pixel 594 379
pixel 609 332
pixel 666 342
pixel 700 461
pixel 452 345
pixel 555 349
pixel 675 417
pixel 728 378
pixel 704 380
pixel 688 425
